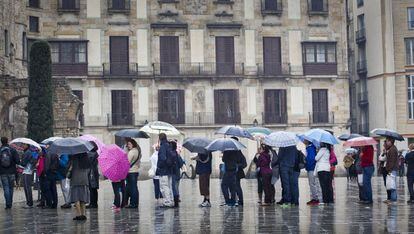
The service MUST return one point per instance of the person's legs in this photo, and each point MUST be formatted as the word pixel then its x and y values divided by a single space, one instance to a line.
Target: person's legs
pixel 27 185
pixel 384 176
pixel 93 198
pixel 314 186
pixel 239 191
pixel 324 181
pixel 46 193
pixel 284 176
pixel 368 171
pixel 225 187
pixel 260 188
pixel 65 186
pixel 165 185
pixel 232 187
pixel 157 191
pixel 117 197
pixel 267 184
pixel 7 184
pixel 394 191
pixel 128 184
pixel 410 182
pixel 133 189
pixel 294 183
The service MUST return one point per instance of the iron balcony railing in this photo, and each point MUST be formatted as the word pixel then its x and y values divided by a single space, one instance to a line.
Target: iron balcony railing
pixel 198 69
pixel 318 7
pixel 321 117
pixel 271 7
pixel 68 5
pixel 274 118
pixel 272 69
pixel 363 98
pixel 120 69
pixel 121 119
pixel 362 66
pixel 188 118
pixel 119 6
pixel 360 36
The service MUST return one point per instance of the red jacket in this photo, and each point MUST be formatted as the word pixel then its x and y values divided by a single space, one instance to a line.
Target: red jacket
pixel 367 156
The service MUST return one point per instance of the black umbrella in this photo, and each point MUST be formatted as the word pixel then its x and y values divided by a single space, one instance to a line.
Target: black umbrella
pixel 234 131
pixel 225 144
pixel 387 133
pixel 196 144
pixel 70 146
pixel 345 137
pixel 132 133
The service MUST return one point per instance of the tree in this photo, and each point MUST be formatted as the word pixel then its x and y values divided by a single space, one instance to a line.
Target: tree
pixel 40 104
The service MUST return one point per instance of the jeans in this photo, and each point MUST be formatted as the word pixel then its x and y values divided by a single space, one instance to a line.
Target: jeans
pixel 239 192
pixel 132 189
pixel 366 184
pixel 157 191
pixel 93 195
pixel 315 188
pixel 166 190
pixel 119 193
pixel 49 192
pixel 65 186
pixel 175 186
pixel 325 179
pixel 410 182
pixel 393 192
pixel 27 185
pixel 7 182
pixel 290 185
pixel 228 184
pixel 267 186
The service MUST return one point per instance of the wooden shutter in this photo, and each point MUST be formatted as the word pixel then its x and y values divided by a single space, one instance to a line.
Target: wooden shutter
pixel 236 107
pixel 122 107
pixel 119 55
pixel 226 107
pixel 171 106
pixel 169 55
pixel 275 106
pixel 272 61
pixel 225 55
pixel 118 4
pixel 320 106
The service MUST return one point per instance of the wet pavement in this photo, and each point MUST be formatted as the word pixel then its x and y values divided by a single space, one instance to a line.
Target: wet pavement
pixel 345 216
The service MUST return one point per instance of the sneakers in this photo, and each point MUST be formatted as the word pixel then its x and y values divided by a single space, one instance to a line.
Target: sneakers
pixel 313 202
pixel 66 206
pixel 205 204
pixel 280 202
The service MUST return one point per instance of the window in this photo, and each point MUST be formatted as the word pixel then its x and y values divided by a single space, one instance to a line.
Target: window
pixel 409 51
pixel 410 17
pixel 320 52
pixel 34 3
pixel 118 6
pixel 119 55
pixel 410 85
pixel 272 58
pixel 171 106
pixel 320 106
pixel 361 21
pixel 169 55
pixel 68 5
pixel 225 55
pixel 33 24
pixel 24 46
pixel 318 6
pixel 271 5
pixel 360 3
pixel 68 52
pixel 122 107
pixel 275 106
pixel 6 43
pixel 79 94
pixel 226 106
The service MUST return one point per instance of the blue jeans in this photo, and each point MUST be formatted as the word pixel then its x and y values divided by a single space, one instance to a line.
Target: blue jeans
pixel 228 184
pixel 289 178
pixel 7 182
pixel 157 190
pixel 132 188
pixel 393 192
pixel 175 185
pixel 366 182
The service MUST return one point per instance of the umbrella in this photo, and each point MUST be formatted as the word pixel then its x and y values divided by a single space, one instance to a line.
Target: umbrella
pixel 70 146
pixel 50 140
pixel 114 163
pixel 351 151
pixel 196 144
pixel 235 131
pixel 158 127
pixel 259 131
pixel 360 141
pixel 281 139
pixel 133 133
pixel 345 137
pixel 302 138
pixel 98 142
pixel 387 133
pixel 224 144
pixel 321 135
pixel 27 141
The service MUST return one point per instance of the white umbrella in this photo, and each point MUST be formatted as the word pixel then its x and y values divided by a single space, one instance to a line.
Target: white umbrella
pixel 50 140
pixel 281 139
pixel 158 127
pixel 351 151
pixel 26 141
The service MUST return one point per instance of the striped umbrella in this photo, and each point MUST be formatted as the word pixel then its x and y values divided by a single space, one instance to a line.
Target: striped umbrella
pixel 281 139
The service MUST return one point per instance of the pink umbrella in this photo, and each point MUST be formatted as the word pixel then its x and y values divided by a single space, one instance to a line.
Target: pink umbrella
pixel 98 142
pixel 114 163
pixel 360 141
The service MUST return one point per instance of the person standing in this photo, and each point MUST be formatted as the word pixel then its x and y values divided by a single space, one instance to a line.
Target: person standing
pixel 263 162
pixel 241 164
pixel 164 170
pixel 315 189
pixel 40 165
pixel 134 158
pixel 367 164
pixel 176 173
pixel 93 177
pixel 9 159
pixel 275 171
pixel 258 177
pixel 288 175
pixel 64 181
pixel 118 188
pixel 228 182
pixel 322 169
pixel 409 160
pixel 51 165
pixel 28 162
pixel 155 178
pixel 79 184
pixel 203 170
pixel 391 166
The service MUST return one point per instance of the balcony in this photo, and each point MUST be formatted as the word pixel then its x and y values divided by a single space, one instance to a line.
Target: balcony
pixel 362 67
pixel 360 36
pixel 318 7
pixel 320 68
pixel 197 69
pixel 321 118
pixel 228 118
pixel 119 6
pixel 68 6
pixel 120 69
pixel 188 118
pixel 70 69
pixel 274 118
pixel 271 7
pixel 363 129
pixel 363 98
pixel 270 70
pixel 121 119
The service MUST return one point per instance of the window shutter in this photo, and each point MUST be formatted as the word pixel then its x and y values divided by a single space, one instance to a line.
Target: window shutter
pixel 236 107
pixel 169 55
pixel 225 55
pixel 181 106
pixel 271 55
pixel 217 106
pixel 119 55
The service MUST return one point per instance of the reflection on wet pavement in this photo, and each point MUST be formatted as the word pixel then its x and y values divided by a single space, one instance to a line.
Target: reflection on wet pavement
pixel 346 216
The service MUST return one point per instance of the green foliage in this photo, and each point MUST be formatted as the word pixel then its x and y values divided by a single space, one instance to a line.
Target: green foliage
pixel 40 105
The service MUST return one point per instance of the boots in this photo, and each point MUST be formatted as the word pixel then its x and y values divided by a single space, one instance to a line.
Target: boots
pixel 176 201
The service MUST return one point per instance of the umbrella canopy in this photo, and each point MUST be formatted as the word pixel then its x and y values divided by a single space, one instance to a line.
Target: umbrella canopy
pixel 98 142
pixel 321 135
pixel 224 144
pixel 70 146
pixel 387 133
pixel 259 131
pixel 234 131
pixel 50 140
pixel 302 138
pixel 132 133
pixel 281 139
pixel 158 127
pixel 27 141
pixel 360 141
pixel 351 151
pixel 196 144
pixel 114 163
pixel 345 137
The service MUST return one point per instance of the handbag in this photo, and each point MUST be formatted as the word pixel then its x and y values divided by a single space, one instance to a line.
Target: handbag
pixel 390 181
pixel 151 172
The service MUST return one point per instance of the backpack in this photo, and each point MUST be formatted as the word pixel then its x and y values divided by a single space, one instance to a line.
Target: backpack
pixel 301 161
pixel 5 157
pixel 171 158
pixel 54 163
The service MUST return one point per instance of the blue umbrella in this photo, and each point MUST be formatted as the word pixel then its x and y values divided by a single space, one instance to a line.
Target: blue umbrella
pixel 302 138
pixel 224 144
pixel 234 131
pixel 321 135
pixel 345 137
